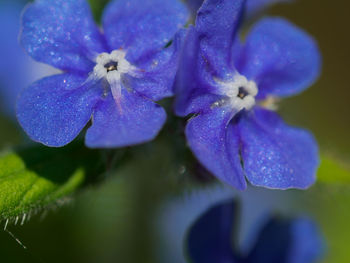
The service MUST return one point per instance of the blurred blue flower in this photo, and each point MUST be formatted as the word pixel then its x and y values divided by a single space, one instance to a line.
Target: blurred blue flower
pixel 231 88
pixel 16 69
pixel 178 213
pixel 280 240
pixel 253 7
pixel 112 78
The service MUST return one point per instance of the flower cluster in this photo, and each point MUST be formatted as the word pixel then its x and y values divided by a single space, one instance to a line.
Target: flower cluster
pixel 144 52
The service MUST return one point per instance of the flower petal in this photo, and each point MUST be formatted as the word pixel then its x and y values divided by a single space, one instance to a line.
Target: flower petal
pixel 158 72
pixel 276 155
pixel 142 26
pixel 282 59
pixel 193 80
pixel 209 239
pixel 61 33
pixel 134 120
pixel 217 23
pixel 55 109
pixel 215 148
pixel 288 241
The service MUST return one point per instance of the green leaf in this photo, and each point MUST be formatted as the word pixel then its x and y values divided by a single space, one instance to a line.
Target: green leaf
pixel 333 171
pixel 97 7
pixel 34 178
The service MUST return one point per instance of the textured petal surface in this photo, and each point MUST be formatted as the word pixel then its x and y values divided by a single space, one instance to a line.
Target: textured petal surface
pixel 142 26
pixel 55 109
pixel 287 241
pixel 276 155
pixel 282 59
pixel 61 33
pixel 134 120
pixel 193 80
pixel 215 148
pixel 209 239
pixel 158 71
pixel 217 23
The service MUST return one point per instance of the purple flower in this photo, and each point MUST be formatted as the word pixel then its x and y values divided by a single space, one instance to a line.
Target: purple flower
pixel 231 86
pixel 111 78
pixel 280 240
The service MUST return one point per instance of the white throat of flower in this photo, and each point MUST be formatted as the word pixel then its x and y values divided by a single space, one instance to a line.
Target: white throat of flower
pixel 240 92
pixel 111 67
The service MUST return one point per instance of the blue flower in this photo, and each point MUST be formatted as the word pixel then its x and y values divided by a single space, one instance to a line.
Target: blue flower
pixel 280 240
pixel 177 214
pixel 111 78
pixel 231 88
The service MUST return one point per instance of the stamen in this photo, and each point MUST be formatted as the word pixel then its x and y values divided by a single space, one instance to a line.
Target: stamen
pixel 112 65
pixel 242 93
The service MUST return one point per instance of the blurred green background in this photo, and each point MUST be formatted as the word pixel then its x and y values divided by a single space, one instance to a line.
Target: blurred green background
pixel 116 220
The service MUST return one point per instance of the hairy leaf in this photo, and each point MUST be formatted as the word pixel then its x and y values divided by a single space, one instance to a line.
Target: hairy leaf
pixel 36 177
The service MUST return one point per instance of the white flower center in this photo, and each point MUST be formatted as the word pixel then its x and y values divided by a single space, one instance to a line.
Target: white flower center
pixel 240 91
pixel 111 67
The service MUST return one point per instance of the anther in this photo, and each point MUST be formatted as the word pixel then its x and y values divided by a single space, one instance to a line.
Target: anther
pixel 242 92
pixel 112 65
